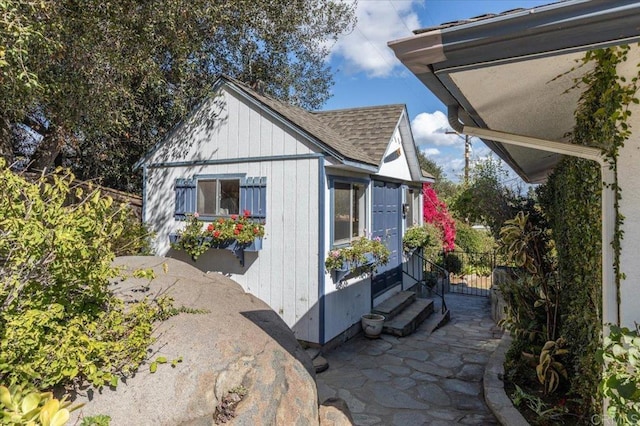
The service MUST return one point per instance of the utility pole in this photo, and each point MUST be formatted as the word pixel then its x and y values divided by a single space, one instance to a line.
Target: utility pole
pixel 467 153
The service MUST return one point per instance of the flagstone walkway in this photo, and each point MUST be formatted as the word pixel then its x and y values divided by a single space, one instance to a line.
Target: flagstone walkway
pixel 420 379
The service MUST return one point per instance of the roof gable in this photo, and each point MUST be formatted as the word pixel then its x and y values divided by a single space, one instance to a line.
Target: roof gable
pixel 355 135
pixel 368 129
pixel 309 123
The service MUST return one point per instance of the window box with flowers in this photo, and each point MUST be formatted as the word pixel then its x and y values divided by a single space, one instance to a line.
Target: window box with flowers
pixel 363 255
pixel 235 233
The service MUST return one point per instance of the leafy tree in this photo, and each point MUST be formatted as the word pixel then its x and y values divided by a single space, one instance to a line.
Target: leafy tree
pixel 487 200
pixel 445 188
pixel 115 76
pixel 472 240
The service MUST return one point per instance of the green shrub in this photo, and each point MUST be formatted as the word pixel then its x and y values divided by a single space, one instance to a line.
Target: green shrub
pixel 472 240
pixel 20 406
pixel 59 322
pixel 620 383
pixel 97 420
pixel 574 187
pixel 135 238
pixel 427 237
pixel 452 263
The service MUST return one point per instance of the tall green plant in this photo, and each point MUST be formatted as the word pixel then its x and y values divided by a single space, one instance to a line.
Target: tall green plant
pixel 527 244
pixel 59 321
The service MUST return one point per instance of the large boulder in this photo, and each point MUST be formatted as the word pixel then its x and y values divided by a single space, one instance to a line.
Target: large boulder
pixel 240 362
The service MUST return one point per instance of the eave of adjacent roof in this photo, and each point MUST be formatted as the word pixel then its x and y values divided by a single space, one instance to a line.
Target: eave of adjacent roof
pixel 550 30
pixel 544 30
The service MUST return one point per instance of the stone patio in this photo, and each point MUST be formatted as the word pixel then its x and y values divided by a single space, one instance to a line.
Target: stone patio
pixel 420 379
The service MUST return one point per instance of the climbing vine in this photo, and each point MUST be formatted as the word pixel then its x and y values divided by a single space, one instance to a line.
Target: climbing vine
pixel 575 187
pixel 602 121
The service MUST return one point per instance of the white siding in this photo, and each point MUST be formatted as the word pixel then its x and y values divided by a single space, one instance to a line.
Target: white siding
pixel 285 272
pixel 629 181
pixel 344 304
pixel 228 127
pixel 393 165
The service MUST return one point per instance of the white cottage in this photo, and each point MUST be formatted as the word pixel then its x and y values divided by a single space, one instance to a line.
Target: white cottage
pixel 240 150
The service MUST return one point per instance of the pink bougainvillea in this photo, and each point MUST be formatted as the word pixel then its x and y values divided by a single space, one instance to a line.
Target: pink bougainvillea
pixel 435 211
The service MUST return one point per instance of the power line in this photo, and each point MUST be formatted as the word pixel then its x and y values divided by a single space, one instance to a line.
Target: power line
pixel 399 17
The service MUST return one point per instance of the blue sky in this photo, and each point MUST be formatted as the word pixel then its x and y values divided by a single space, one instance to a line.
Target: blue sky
pixel 366 71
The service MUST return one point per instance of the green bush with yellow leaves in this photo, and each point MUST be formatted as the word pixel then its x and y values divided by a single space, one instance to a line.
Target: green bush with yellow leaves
pixel 60 325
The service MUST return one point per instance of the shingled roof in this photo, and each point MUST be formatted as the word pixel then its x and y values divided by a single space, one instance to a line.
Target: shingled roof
pixel 359 134
pixel 369 129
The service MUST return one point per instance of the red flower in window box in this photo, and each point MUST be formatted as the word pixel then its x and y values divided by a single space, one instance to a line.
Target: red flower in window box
pixel 246 213
pixel 196 238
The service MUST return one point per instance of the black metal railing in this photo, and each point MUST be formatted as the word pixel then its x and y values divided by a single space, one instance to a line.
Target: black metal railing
pixel 428 275
pixel 470 272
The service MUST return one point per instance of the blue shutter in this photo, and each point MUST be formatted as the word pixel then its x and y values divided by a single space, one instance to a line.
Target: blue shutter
pixel 185 198
pixel 253 197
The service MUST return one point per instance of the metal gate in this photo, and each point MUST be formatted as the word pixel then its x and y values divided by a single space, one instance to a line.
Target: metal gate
pixel 469 273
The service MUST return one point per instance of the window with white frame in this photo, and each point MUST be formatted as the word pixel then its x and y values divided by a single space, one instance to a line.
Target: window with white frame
pixel 218 197
pixel 349 211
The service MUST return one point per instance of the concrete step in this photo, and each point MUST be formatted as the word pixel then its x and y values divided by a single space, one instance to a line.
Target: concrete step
pixel 435 321
pixel 395 304
pixel 411 317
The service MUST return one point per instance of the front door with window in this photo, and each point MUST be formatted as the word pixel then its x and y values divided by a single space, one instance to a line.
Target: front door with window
pixel 387 217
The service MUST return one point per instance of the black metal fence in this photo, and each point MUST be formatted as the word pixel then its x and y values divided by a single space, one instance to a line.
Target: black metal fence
pixel 454 272
pixel 469 272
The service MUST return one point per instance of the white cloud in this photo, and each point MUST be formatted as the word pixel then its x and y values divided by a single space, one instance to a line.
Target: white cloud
pixel 452 165
pixel 431 128
pixel 365 48
pixel 431 152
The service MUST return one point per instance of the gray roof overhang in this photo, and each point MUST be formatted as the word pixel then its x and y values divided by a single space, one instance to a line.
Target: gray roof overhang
pixel 511 72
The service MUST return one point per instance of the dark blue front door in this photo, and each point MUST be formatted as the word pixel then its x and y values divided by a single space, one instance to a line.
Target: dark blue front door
pixel 387 198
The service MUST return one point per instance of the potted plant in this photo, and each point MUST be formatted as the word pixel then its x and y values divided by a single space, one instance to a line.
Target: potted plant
pixel 363 254
pixel 427 237
pixel 372 325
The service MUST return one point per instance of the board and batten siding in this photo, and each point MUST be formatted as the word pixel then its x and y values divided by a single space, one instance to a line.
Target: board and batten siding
pixel 344 304
pixel 243 139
